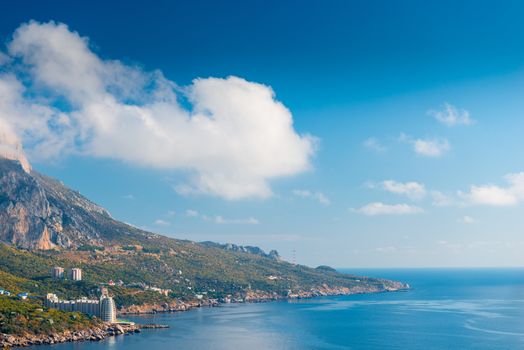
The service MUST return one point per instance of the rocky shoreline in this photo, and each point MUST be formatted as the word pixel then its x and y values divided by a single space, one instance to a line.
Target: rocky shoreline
pixel 91 334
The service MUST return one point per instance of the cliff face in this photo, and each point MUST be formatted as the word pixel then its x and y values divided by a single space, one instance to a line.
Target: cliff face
pixel 25 215
pixel 37 212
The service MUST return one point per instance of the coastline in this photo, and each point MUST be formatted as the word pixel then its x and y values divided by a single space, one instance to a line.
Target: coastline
pixel 108 330
pixel 256 297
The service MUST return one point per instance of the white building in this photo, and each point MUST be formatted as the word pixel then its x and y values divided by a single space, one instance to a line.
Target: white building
pixel 57 272
pixel 76 274
pixel 103 308
pixel 107 309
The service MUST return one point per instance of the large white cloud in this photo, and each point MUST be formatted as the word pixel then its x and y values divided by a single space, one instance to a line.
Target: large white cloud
pixel 60 98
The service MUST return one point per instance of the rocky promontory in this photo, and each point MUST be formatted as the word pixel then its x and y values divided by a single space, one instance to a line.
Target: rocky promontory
pixel 89 334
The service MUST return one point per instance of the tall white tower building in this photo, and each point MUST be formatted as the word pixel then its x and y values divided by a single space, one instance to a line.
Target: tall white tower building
pixel 107 309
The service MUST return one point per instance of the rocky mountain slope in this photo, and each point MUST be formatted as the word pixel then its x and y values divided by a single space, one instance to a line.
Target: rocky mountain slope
pixel 37 212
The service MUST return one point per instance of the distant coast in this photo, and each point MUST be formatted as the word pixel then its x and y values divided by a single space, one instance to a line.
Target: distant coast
pixel 255 297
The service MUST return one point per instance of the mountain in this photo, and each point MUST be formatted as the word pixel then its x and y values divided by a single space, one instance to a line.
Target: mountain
pixel 44 224
pixel 37 212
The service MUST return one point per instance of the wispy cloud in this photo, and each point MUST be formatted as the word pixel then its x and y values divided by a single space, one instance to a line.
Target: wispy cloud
pixel 466 220
pixel 374 144
pixel 493 195
pixel 440 199
pixel 160 222
pixel 318 196
pixel 412 190
pixel 430 147
pixel 219 219
pixel 191 213
pixel 247 221
pixel 379 208
pixel 128 196
pixel 450 116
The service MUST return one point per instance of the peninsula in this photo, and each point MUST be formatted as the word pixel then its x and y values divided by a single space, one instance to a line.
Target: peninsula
pixel 57 242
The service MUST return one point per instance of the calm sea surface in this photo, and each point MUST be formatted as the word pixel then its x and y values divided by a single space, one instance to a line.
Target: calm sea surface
pixel 446 309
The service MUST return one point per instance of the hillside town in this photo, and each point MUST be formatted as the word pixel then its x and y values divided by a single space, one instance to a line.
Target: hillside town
pixel 103 308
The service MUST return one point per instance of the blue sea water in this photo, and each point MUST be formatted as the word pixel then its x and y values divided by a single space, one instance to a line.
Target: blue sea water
pixel 445 309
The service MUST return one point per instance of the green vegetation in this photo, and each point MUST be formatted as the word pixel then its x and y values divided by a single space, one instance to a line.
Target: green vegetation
pixel 14 284
pixel 128 296
pixel 25 316
pixel 186 268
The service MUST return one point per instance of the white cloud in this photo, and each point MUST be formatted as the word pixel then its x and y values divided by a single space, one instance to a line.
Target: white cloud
pixel 129 196
pixel 451 116
pixel 318 196
pixel 431 147
pixel 441 199
pixel 232 141
pixel 489 194
pixel 192 213
pixel 379 208
pixel 160 222
pixel 466 220
pixel 413 190
pixel 493 195
pixel 375 145
pixel 171 213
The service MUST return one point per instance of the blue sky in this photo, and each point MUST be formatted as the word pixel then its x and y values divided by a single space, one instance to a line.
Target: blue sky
pixel 405 147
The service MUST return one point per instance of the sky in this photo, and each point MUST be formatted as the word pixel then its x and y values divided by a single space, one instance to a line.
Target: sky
pixel 344 133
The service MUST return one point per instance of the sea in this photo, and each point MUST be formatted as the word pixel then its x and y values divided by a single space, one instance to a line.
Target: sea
pixel 444 309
